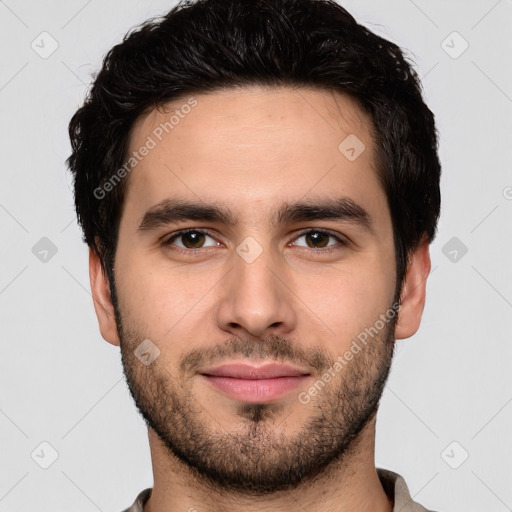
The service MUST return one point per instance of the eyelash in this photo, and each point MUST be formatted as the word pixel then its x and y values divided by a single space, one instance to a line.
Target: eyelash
pixel 167 242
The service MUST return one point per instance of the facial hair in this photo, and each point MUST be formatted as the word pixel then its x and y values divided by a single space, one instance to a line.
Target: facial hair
pixel 252 458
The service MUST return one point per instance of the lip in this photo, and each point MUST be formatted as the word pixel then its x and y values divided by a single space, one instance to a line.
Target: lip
pixel 254 372
pixel 255 384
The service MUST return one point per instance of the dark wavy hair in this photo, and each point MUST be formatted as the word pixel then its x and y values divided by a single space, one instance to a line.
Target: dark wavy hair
pixel 209 45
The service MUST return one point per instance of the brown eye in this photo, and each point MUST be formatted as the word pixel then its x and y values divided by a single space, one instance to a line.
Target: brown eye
pixel 191 239
pixel 318 239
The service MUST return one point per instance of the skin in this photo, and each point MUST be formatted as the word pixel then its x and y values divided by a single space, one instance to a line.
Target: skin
pixel 251 150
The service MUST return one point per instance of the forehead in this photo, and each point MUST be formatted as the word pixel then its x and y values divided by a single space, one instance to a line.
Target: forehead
pixel 253 145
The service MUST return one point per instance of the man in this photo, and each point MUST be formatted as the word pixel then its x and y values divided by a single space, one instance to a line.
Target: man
pixel 258 184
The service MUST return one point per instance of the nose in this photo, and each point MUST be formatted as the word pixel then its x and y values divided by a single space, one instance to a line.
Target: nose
pixel 257 297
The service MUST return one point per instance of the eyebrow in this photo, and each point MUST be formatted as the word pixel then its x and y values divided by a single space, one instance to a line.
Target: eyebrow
pixel 173 210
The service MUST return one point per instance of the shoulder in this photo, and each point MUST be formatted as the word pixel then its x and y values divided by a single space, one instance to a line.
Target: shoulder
pixel 140 500
pixel 395 487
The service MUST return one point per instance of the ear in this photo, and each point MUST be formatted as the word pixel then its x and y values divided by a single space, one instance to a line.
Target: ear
pixel 412 298
pixel 102 300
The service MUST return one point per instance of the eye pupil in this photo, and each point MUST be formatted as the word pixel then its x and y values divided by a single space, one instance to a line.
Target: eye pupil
pixel 315 236
pixel 195 237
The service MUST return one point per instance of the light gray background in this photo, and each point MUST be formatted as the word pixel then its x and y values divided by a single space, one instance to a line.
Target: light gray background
pixel 62 384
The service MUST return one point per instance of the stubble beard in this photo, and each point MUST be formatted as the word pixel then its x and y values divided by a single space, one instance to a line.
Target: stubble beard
pixel 253 458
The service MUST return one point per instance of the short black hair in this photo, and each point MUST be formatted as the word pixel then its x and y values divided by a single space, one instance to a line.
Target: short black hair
pixel 209 45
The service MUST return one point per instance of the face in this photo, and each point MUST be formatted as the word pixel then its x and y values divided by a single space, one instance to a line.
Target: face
pixel 287 258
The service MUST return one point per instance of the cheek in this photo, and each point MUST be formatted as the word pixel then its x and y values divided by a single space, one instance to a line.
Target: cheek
pixel 139 292
pixel 345 302
pixel 162 303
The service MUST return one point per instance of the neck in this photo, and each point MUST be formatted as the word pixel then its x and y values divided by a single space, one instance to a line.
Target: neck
pixel 348 484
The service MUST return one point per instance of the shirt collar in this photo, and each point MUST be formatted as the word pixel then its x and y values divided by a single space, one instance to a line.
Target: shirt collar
pixel 395 487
